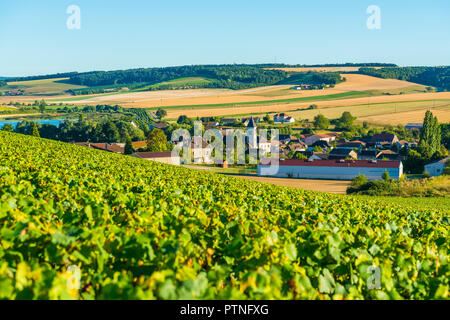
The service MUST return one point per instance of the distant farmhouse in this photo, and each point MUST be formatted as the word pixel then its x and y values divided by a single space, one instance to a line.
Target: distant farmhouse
pixel 334 169
pixel 302 87
pixel 283 118
pixel 228 121
pixel 414 126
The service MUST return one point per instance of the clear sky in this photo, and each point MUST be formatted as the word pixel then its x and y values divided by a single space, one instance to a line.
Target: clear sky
pixel 34 38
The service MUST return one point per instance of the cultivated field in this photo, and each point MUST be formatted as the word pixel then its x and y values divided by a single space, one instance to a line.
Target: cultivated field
pixel 41 87
pixel 199 97
pixel 369 98
pixel 332 108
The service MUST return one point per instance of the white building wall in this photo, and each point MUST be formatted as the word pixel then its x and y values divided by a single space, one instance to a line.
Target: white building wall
pixel 169 160
pixel 435 169
pixel 334 173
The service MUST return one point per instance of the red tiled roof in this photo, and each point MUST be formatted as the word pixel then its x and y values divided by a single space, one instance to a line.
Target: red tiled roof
pixel 150 155
pixel 383 137
pixel 337 163
pixel 139 144
pixel 108 147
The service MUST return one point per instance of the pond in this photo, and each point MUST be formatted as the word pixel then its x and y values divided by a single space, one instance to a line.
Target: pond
pixel 14 123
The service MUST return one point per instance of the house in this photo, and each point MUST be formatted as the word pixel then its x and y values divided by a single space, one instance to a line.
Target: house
pixel 110 147
pixel 283 118
pixel 160 125
pixel 321 144
pixel 203 153
pixel 264 145
pixel 319 156
pixel 297 146
pixel 301 87
pixel 310 139
pixel 414 126
pixel 368 155
pixel 163 157
pixel 381 139
pixel 342 153
pixel 331 169
pixel 286 138
pixel 351 144
pixel 228 121
pixel 406 144
pixel 389 155
pixel 436 168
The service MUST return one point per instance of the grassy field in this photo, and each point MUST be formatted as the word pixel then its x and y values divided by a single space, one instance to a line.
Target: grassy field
pixel 418 203
pixel 180 82
pixel 41 87
pixel 325 97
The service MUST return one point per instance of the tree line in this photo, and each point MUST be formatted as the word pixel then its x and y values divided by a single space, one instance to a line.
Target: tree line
pixel 438 77
pixel 230 76
pixel 109 131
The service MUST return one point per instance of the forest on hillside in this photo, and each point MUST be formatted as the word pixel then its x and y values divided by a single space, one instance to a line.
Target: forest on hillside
pixel 215 76
pixel 438 77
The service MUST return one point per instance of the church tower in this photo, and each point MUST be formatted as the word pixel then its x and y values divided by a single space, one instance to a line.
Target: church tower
pixel 251 134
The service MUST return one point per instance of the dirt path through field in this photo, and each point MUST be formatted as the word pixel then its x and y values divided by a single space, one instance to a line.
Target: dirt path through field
pixel 331 186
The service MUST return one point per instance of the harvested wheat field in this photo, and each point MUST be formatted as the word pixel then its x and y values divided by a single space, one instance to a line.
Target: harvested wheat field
pixel 331 186
pixel 323 106
pixel 442 113
pixel 198 97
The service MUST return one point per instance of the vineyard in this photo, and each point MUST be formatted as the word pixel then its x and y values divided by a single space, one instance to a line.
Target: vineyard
pixel 141 117
pixel 142 230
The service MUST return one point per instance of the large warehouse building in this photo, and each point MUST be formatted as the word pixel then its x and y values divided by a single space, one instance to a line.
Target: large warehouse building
pixel 334 169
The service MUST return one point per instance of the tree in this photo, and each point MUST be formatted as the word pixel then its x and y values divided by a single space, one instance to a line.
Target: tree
pixel 7 127
pixel 110 132
pixel 307 131
pixel 161 113
pixel 321 122
pixel 430 136
pixel 317 149
pixel 346 120
pixel 386 176
pixel 359 180
pixel 299 156
pixel 34 130
pixel 157 141
pixel 42 106
pixel 184 120
pixel 129 146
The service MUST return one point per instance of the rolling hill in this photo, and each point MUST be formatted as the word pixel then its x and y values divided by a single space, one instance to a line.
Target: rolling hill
pixel 142 230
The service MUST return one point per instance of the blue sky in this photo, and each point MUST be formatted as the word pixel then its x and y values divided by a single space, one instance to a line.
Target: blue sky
pixel 34 38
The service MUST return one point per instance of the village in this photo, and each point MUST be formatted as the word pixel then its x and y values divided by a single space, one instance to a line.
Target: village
pixel 328 156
